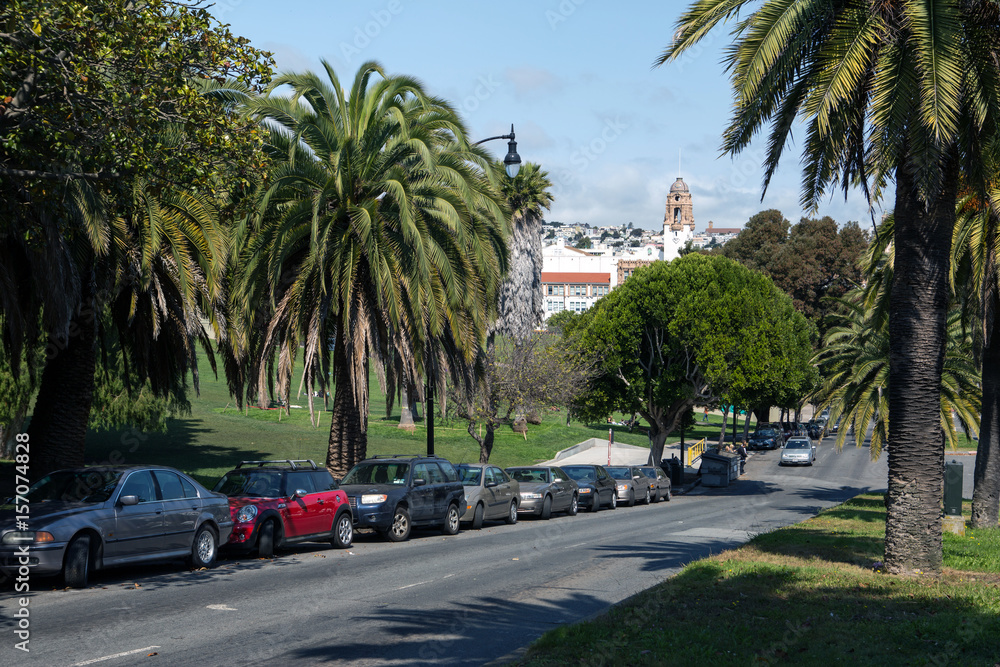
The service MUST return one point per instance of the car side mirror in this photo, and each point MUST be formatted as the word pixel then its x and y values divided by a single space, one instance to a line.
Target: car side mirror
pixel 490 484
pixel 419 482
pixel 128 500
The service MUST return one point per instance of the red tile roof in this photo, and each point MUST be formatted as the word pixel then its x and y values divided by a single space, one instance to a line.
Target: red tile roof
pixel 560 277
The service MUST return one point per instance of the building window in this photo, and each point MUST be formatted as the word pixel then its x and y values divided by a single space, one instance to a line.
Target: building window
pixel 555 306
pixel 578 306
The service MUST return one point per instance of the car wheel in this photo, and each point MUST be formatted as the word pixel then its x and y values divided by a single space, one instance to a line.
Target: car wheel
pixel 477 518
pixel 595 505
pixel 265 540
pixel 512 513
pixel 574 506
pixel 631 498
pixel 451 519
pixel 656 495
pixel 614 500
pixel 343 531
pixel 400 528
pixel 547 507
pixel 204 549
pixel 646 501
pixel 76 565
pixel 669 494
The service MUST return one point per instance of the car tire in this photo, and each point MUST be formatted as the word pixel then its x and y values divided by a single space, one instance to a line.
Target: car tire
pixel 205 548
pixel 647 500
pixel 511 513
pixel 574 506
pixel 668 495
pixel 631 498
pixel 76 564
pixel 547 508
pixel 477 517
pixel 265 540
pixel 614 500
pixel 656 495
pixel 452 518
pixel 595 505
pixel 343 531
pixel 399 530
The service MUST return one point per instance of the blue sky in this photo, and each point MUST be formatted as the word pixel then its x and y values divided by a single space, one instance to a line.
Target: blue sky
pixel 575 78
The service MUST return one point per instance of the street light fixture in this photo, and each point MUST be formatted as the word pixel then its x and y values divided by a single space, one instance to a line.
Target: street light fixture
pixel 512 165
pixel 512 161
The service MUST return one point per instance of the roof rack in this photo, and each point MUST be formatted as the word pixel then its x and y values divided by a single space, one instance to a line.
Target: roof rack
pixel 395 456
pixel 294 464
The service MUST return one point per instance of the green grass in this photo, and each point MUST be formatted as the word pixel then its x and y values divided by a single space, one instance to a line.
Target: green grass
pixel 804 595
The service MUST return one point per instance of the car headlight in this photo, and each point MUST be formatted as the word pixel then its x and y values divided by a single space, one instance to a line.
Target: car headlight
pixel 247 514
pixel 623 487
pixel 585 490
pixel 373 498
pixel 530 495
pixel 28 537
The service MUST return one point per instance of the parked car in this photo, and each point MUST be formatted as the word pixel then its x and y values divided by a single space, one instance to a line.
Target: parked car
pixel 546 489
pixel 659 483
pixel 490 494
pixel 277 503
pixel 766 437
pixel 798 451
pixel 392 495
pixel 88 519
pixel 632 485
pixel 816 429
pixel 597 487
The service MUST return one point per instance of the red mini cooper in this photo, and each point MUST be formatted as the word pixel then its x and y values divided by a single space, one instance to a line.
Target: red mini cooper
pixel 276 503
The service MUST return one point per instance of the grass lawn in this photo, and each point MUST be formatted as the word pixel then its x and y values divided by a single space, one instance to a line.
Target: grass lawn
pixel 803 595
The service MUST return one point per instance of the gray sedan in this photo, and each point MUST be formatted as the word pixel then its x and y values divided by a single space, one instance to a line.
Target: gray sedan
pixel 546 489
pixel 798 451
pixel 88 519
pixel 490 494
pixel 632 484
pixel 659 483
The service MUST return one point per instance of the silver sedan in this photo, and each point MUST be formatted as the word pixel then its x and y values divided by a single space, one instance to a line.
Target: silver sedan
pixel 86 519
pixel 799 450
pixel 490 494
pixel 546 489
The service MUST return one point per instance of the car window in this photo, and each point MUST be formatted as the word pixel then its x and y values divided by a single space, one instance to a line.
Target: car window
pixel 435 473
pixel 139 483
pixel 450 474
pixel 300 481
pixel 581 474
pixel 490 477
pixel 619 472
pixel 501 476
pixel 86 486
pixel 378 472
pixel 469 475
pixel 254 483
pixel 420 471
pixel 602 473
pixel 170 485
pixel 323 480
pixel 797 444
pixel 557 475
pixel 189 489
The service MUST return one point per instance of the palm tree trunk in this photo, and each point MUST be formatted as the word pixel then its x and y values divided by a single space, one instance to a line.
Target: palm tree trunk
pixel 986 492
pixel 917 322
pixel 348 436
pixel 58 427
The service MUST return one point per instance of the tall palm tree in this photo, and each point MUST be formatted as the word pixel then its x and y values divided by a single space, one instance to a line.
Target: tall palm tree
pixel 903 90
pixel 522 305
pixel 380 228
pixel 976 249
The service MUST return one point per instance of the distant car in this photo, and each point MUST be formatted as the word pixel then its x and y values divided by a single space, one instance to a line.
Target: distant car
pixel 836 426
pixel 395 494
pixel 277 503
pixel 798 451
pixel 597 487
pixel 87 519
pixel 766 437
pixel 546 489
pixel 816 429
pixel 490 494
pixel 825 414
pixel 659 483
pixel 632 484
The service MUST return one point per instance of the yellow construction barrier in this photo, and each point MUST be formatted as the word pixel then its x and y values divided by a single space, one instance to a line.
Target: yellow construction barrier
pixel 694 451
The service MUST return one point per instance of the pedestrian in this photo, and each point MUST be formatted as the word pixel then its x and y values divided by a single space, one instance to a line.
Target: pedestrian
pixel 741 449
pixel 705 419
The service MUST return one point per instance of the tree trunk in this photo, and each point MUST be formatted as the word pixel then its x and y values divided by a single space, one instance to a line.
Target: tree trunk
pixel 657 439
pixel 917 321
pixel 486 444
pixel 348 433
pixel 58 428
pixel 722 433
pixel 746 426
pixel 986 492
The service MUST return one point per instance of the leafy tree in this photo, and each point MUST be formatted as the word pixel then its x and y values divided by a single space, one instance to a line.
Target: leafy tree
pixel 689 331
pixel 907 90
pixel 381 229
pixel 759 241
pixel 562 322
pixel 583 243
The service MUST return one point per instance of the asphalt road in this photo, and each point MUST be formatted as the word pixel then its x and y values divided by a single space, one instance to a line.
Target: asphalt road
pixel 435 600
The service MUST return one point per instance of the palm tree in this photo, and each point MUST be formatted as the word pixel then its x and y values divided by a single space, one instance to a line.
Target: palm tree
pixel 381 228
pixel 977 282
pixel 907 90
pixel 522 305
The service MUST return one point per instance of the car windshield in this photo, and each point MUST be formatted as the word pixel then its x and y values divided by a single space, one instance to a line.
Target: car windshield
pixel 469 475
pixel 581 474
pixel 797 444
pixel 378 472
pixel 530 475
pixel 252 483
pixel 766 433
pixel 75 486
pixel 619 473
pixel 648 472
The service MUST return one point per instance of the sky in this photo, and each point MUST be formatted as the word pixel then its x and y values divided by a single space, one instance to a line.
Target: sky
pixel 576 80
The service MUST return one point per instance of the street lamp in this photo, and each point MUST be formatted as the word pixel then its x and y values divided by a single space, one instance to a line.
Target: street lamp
pixel 512 161
pixel 512 165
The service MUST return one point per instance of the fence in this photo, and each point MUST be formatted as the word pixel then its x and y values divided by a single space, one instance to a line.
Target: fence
pixel 694 452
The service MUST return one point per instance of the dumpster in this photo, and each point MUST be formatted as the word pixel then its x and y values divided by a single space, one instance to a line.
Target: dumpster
pixel 953 478
pixel 715 469
pixel 674 470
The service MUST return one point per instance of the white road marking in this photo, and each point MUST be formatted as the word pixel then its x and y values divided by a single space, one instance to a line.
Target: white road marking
pixel 116 655
pixel 419 583
pixel 220 607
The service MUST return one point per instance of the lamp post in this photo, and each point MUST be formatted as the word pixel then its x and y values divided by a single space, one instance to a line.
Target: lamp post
pixel 511 165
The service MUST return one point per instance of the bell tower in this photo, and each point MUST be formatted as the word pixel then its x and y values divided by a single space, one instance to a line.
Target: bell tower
pixel 679 213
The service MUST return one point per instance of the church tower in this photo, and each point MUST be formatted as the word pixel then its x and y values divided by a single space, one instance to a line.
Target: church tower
pixel 678 220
